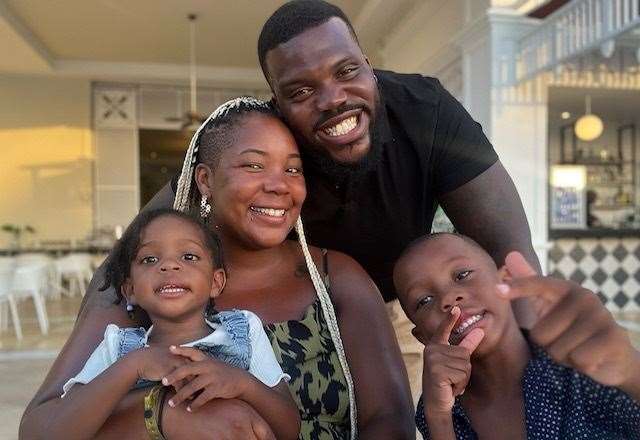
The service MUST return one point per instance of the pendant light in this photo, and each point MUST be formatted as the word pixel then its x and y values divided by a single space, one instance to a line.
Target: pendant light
pixel 588 127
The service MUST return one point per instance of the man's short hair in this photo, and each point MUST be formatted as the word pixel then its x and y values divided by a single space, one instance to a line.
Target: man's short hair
pixel 292 19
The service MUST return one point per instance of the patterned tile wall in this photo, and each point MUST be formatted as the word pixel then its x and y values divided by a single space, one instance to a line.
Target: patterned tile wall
pixel 608 266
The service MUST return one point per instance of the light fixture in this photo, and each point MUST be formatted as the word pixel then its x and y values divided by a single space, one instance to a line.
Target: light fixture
pixel 588 127
pixel 565 115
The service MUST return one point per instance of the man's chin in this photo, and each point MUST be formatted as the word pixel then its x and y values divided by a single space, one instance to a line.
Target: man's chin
pixel 351 155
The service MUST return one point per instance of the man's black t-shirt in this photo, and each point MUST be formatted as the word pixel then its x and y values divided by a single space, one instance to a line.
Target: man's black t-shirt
pixel 430 146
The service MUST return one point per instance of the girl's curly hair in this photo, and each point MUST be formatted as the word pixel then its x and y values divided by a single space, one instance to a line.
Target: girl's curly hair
pixel 118 265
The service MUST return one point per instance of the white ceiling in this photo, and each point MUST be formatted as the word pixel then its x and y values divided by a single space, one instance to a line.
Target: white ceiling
pixel 154 31
pixel 108 39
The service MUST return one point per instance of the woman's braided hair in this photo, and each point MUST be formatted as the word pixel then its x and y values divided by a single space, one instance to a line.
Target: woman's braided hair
pixel 207 143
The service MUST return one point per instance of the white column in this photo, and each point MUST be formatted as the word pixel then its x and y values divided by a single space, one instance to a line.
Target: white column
pixel 514 117
pixel 117 175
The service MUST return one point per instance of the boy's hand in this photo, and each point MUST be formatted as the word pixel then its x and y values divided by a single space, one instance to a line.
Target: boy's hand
pixel 202 374
pixel 447 368
pixel 574 327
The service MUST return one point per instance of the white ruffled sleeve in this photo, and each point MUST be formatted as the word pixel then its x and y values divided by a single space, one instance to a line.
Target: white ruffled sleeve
pixel 105 354
pixel 263 364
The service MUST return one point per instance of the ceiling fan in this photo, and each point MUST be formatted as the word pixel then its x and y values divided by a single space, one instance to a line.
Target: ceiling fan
pixel 191 117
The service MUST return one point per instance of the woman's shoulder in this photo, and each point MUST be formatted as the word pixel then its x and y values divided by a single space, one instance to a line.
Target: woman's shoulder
pixel 333 261
pixel 349 281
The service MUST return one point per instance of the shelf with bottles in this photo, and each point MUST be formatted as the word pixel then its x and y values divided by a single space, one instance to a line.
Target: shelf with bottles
pixel 622 175
pixel 615 207
pixel 609 184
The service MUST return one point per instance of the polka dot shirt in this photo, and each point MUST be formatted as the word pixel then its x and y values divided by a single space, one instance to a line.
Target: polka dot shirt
pixel 561 403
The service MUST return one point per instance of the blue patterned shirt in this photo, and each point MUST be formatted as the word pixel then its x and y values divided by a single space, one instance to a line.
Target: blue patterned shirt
pixel 560 403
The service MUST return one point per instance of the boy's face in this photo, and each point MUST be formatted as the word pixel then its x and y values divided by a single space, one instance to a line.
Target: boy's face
pixel 448 271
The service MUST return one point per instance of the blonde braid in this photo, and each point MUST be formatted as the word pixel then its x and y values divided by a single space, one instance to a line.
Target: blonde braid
pixel 181 201
pixel 332 323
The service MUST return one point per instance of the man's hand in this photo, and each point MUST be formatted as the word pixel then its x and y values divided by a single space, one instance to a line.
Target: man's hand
pixel 447 368
pixel 573 326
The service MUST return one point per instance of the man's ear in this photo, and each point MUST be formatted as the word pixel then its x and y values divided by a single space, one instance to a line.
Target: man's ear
pixel 219 281
pixel 418 335
pixel 504 275
pixel 274 103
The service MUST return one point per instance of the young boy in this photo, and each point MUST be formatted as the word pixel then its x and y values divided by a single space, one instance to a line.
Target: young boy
pixel 574 375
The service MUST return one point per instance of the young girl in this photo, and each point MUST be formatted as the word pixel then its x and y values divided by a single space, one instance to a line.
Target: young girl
pixel 169 265
pixel 574 375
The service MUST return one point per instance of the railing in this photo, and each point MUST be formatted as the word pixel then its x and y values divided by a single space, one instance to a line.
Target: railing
pixel 572 30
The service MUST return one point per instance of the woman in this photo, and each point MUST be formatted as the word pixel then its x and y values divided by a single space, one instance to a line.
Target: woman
pixel 336 343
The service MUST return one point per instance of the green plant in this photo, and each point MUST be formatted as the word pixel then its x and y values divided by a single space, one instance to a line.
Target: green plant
pixel 16 231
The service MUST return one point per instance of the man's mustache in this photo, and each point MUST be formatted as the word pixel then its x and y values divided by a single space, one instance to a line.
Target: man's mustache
pixel 328 114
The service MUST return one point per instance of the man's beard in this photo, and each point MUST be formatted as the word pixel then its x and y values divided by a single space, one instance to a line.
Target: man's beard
pixel 319 159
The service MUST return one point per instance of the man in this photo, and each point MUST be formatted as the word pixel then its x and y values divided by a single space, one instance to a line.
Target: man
pixel 382 150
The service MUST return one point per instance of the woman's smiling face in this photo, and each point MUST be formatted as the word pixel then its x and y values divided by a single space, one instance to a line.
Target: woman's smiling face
pixel 258 187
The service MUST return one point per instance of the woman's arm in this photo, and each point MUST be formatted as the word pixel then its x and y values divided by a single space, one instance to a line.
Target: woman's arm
pixel 385 408
pixel 85 408
pixel 220 419
pixel 96 312
pixel 216 379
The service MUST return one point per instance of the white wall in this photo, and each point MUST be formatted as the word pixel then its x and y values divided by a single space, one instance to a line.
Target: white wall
pixel 46 153
pixel 425 33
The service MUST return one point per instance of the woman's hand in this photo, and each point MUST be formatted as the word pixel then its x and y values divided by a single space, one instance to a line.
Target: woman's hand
pixel 203 378
pixel 447 368
pixel 228 419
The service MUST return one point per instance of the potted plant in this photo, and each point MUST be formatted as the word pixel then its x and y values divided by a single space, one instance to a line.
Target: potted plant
pixel 16 232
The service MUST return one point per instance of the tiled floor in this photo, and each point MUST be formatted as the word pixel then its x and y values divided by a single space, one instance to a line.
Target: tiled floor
pixel 24 364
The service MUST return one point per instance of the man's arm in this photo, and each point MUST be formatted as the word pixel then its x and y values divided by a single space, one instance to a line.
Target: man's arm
pixel 488 209
pixel 97 310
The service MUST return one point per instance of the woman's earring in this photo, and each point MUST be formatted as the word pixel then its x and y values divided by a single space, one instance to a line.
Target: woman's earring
pixel 130 311
pixel 205 207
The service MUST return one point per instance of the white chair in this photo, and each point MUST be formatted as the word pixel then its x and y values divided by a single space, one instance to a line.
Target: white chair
pixel 7 298
pixel 33 280
pixel 53 287
pixel 78 269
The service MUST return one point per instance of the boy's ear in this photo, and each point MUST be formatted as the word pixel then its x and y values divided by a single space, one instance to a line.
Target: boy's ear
pixel 219 281
pixel 504 275
pixel 127 291
pixel 418 335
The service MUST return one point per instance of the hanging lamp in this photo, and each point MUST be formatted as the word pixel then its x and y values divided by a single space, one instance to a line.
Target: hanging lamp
pixel 588 127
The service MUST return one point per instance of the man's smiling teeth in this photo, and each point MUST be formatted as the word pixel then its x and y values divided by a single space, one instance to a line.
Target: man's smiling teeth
pixel 268 211
pixel 467 322
pixel 343 127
